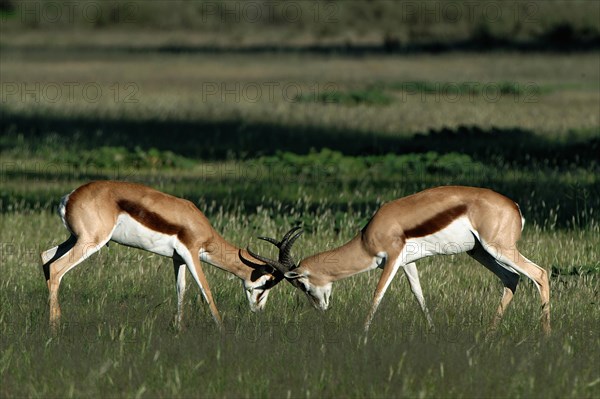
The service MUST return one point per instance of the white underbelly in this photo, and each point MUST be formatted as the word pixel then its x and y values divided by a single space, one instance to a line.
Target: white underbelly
pixel 130 232
pixel 457 237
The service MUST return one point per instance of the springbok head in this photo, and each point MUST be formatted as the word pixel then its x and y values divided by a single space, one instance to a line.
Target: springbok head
pixel 317 290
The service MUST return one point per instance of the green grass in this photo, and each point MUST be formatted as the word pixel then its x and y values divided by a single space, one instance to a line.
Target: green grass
pixel 552 192
pixel 380 94
pixel 370 96
pixel 472 88
pixel 116 338
pixel 258 168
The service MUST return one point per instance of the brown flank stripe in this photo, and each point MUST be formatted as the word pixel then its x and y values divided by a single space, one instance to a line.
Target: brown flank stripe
pixel 436 223
pixel 150 219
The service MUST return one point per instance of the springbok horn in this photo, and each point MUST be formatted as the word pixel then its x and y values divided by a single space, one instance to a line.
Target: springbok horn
pixel 271 262
pixel 271 240
pixel 279 244
pixel 285 254
pixel 289 233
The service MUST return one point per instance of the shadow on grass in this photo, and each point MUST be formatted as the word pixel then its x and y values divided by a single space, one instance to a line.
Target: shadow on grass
pixel 518 163
pixel 241 140
pixel 561 38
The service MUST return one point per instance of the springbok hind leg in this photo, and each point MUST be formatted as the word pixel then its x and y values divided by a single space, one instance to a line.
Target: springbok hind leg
pixel 53 254
pixel 535 273
pixel 81 250
pixel 509 279
pixel 179 268
pixel 540 276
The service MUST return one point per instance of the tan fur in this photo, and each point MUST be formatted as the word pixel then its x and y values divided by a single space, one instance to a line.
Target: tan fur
pixel 495 218
pixel 92 211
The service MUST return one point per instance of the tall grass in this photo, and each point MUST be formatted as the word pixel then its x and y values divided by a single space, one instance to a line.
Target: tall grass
pixel 116 338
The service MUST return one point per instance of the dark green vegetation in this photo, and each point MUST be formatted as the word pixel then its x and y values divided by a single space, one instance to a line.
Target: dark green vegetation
pixel 260 167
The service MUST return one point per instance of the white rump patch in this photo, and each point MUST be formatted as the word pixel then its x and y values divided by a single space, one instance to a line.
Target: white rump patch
pixel 62 210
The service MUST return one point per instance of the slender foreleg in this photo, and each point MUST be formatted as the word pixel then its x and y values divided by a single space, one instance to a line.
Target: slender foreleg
pixel 179 268
pixel 415 285
pixel 389 271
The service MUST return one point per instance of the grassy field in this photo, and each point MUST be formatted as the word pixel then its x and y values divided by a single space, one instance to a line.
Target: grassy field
pixel 116 339
pixel 324 157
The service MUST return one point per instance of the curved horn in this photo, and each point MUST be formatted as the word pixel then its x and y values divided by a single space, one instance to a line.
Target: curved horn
pixel 289 233
pixel 285 238
pixel 253 264
pixel 271 240
pixel 285 254
pixel 271 262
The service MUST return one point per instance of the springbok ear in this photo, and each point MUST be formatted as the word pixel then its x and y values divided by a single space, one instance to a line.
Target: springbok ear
pixel 293 275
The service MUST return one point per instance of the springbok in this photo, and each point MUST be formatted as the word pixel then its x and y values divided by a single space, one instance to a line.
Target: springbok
pixel 441 220
pixel 138 216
